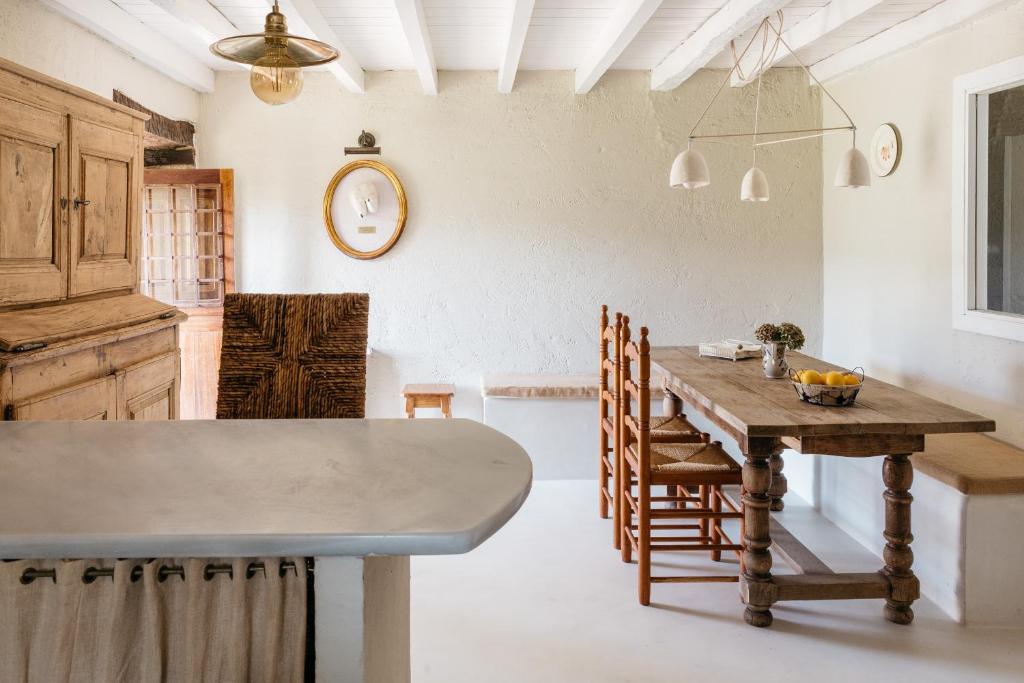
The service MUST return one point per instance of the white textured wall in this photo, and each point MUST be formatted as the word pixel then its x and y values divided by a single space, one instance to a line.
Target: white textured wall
pixel 887 263
pixel 527 211
pixel 35 36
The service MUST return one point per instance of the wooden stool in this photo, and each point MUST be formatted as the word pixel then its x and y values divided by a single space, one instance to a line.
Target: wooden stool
pixel 428 396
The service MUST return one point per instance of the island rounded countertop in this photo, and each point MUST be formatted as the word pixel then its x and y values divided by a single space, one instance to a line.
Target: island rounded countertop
pixel 267 488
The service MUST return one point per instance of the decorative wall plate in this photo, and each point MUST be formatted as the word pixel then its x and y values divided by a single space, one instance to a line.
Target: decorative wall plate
pixel 365 209
pixel 885 151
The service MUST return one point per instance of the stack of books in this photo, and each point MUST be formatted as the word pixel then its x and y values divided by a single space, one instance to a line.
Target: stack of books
pixel 731 349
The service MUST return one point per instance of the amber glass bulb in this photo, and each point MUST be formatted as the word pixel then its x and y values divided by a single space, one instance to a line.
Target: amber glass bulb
pixel 276 79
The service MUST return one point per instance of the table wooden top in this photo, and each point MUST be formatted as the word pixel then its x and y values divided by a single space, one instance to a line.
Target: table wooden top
pixel 738 396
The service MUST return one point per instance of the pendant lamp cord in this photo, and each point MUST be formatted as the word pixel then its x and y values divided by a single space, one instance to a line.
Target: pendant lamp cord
pixel 757 99
pixel 722 86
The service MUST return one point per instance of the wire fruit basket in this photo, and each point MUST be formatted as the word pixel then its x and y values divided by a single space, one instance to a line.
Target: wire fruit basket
pixel 825 395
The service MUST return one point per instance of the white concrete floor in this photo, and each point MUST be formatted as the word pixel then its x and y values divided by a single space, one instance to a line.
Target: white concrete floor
pixel 547 599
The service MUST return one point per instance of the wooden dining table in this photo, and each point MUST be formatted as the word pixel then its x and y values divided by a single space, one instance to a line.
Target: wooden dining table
pixel 765 417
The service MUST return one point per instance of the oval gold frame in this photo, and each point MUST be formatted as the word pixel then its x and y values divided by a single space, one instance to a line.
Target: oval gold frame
pixel 403 207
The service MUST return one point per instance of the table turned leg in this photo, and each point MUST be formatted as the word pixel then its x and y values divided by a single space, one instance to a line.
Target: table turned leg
pixel 757 586
pixel 904 588
pixel 779 485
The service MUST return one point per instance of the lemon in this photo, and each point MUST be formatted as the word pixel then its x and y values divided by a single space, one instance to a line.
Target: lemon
pixel 851 380
pixel 810 377
pixel 835 379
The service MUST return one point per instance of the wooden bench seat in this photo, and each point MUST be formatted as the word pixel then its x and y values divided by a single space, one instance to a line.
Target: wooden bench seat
pixel 974 464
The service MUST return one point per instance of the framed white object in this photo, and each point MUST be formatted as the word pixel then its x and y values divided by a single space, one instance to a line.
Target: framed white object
pixel 365 209
pixel 885 150
pixel 969 215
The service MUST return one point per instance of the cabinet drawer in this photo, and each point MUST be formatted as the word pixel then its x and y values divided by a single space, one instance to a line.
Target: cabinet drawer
pixel 94 400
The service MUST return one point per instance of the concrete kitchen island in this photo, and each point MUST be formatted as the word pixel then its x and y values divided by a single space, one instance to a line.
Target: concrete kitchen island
pixel 360 496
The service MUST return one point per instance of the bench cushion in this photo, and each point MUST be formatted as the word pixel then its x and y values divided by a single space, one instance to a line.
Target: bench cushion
pixel 549 386
pixel 972 463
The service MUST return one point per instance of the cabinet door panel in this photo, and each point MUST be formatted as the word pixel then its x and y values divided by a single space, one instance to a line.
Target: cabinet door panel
pixel 105 208
pixel 151 389
pixel 95 400
pixel 32 168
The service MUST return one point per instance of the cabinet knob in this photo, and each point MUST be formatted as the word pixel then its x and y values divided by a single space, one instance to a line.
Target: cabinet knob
pixel 82 202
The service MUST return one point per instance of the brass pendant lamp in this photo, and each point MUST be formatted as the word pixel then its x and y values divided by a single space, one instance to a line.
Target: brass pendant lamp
pixel 277 58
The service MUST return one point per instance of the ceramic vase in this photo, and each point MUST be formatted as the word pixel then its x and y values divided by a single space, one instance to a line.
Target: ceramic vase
pixel 774 360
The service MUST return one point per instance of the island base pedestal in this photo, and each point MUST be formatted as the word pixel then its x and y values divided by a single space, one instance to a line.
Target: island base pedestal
pixel 362 619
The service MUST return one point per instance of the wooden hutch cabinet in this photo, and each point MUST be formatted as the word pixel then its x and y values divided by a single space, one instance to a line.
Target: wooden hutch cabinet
pixel 77 340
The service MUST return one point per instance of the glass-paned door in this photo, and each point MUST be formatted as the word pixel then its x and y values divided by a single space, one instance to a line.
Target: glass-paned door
pixel 183 243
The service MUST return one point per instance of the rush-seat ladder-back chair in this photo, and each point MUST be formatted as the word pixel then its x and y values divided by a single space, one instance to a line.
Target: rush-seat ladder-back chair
pixel 670 428
pixel 704 466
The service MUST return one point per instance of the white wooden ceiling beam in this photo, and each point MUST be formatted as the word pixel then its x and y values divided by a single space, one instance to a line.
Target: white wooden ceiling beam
pixel 200 18
pixel 710 39
pixel 519 23
pixel 305 19
pixel 943 17
pixel 112 23
pixel 627 19
pixel 813 28
pixel 414 25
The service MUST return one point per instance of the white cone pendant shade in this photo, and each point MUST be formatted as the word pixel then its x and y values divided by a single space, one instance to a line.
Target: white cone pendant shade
pixel 755 186
pixel 853 170
pixel 689 170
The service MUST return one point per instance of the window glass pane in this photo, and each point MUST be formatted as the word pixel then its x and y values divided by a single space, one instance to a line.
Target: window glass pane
pixel 211 291
pixel 207 221
pixel 158 223
pixel 159 269
pixel 184 269
pixel 1000 205
pixel 206 198
pixel 183 199
pixel 186 293
pixel 159 198
pixel 209 269
pixel 159 245
pixel 210 244
pixel 161 291
pixel 184 246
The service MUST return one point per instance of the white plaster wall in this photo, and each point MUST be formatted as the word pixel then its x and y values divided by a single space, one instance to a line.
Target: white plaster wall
pixel 527 211
pixel 35 36
pixel 888 280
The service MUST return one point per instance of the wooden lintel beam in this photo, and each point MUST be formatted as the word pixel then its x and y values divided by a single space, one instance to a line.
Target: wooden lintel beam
pixel 175 133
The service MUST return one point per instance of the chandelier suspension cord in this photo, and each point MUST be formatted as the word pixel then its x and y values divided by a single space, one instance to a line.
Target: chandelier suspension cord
pixel 720 88
pixel 763 62
pixel 810 73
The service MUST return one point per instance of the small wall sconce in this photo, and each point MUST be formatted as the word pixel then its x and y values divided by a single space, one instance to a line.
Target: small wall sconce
pixel 367 145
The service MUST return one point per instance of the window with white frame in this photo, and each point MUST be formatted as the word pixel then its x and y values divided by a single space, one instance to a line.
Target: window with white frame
pixel 988 200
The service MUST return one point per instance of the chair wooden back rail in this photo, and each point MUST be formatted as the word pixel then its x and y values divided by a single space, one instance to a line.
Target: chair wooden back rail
pixel 607 409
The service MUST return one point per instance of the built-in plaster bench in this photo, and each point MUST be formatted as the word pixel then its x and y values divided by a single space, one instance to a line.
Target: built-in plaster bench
pixel 969 507
pixel 554 417
pixel 968 511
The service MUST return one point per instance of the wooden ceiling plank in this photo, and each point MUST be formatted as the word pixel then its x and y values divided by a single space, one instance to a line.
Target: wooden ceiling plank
pixel 413 21
pixel 710 39
pixel 812 29
pixel 943 17
pixel 623 25
pixel 112 23
pixel 519 24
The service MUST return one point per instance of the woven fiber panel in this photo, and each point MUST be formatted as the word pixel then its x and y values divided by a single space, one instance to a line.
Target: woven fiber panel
pixel 293 356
